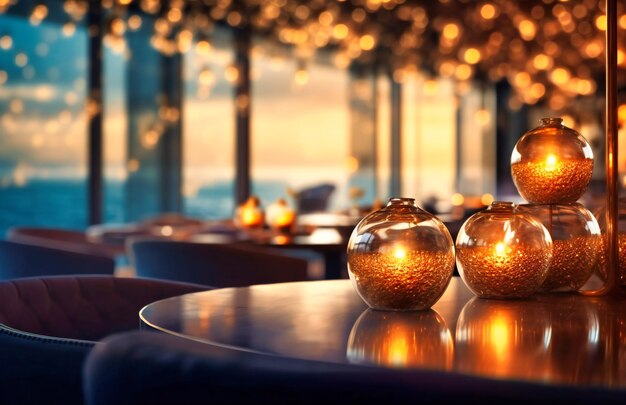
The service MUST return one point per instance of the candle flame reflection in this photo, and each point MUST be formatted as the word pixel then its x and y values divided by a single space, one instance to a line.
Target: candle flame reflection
pixel 401 340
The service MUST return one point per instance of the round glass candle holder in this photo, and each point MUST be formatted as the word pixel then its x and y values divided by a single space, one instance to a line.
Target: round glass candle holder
pixel 576 244
pixel 400 257
pixel 503 253
pixel 552 164
pixel 249 214
pixel 280 216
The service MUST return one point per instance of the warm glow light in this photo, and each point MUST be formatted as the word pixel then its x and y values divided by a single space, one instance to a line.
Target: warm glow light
pixel 499 336
pixel 463 71
pixel 621 113
pixel 542 62
pixel 6 42
pixel 537 90
pixel 487 11
pixel 482 117
pixel 430 87
pixel 134 22
pixel 69 28
pixel 560 76
pixel 231 73
pixel 326 18
pixel 551 162
pixel 3 76
pixel 486 199
pixel 527 30
pixel 301 77
pixel 206 77
pixel 367 42
pixel 340 31
pixel 450 31
pixel 472 56
pixel 500 249
pixel 399 253
pixel 203 47
pixel 21 59
pixel 601 22
pixel 352 164
pixel 521 79
pixel 457 199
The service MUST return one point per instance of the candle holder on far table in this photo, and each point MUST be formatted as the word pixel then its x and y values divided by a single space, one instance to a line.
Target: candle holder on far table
pixel 280 216
pixel 503 253
pixel 400 257
pixel 249 214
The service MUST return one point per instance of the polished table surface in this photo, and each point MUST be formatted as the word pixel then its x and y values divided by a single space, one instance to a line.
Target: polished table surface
pixel 561 338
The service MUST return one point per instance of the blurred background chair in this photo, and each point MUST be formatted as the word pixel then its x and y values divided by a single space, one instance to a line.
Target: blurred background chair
pixel 215 264
pixel 66 239
pixel 49 324
pixel 135 368
pixel 27 260
pixel 313 199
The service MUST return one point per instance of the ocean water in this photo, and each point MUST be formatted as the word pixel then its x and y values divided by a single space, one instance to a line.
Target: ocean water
pixel 62 202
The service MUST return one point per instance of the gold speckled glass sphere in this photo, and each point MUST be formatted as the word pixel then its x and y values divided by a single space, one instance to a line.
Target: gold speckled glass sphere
pixel 552 164
pixel 576 244
pixel 400 257
pixel 503 253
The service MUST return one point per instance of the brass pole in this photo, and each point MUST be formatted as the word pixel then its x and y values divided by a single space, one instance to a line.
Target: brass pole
pixel 612 284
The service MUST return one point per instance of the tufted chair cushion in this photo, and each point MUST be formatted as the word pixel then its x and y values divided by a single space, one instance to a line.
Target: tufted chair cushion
pixel 48 325
pixel 85 307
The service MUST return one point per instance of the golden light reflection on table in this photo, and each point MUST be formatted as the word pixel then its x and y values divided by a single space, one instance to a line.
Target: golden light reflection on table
pixel 564 338
pixel 401 339
pixel 502 338
pixel 555 337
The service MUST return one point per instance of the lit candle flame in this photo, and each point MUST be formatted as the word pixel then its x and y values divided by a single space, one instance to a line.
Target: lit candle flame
pixel 500 249
pixel 399 253
pixel 551 162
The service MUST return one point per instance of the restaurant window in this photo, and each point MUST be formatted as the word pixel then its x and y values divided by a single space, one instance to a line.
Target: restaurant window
pixel 209 126
pixel 428 140
pixel 477 128
pixel 115 130
pixel 300 125
pixel 43 121
pixel 383 137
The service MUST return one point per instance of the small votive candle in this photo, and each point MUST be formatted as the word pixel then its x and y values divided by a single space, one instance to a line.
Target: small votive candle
pixel 400 257
pixel 552 164
pixel 249 214
pixel 280 216
pixel 503 253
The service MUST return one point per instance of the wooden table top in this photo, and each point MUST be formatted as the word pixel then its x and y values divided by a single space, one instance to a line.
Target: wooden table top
pixel 556 339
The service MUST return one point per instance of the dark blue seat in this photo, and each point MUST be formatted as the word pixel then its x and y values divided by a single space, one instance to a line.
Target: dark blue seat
pixel 153 368
pixel 314 199
pixel 215 264
pixel 49 324
pixel 19 259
